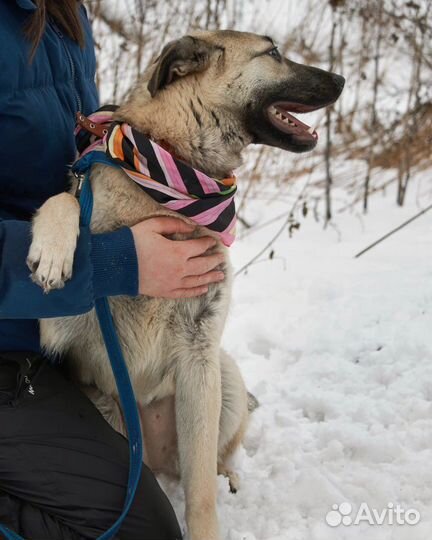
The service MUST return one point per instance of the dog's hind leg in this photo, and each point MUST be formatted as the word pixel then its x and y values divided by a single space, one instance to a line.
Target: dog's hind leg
pixel 108 407
pixel 198 403
pixel 55 231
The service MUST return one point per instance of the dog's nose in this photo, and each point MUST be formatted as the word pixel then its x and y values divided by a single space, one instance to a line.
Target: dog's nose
pixel 339 81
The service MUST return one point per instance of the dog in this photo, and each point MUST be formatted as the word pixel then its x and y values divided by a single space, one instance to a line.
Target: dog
pixel 208 95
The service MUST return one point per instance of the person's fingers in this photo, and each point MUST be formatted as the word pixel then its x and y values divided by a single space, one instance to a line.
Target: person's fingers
pixel 196 246
pixel 204 279
pixel 170 225
pixel 201 265
pixel 188 293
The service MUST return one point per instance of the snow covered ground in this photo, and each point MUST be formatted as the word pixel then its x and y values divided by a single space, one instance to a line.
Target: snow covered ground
pixel 339 353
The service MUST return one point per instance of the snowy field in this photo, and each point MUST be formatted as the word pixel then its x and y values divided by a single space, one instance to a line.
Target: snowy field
pixel 339 353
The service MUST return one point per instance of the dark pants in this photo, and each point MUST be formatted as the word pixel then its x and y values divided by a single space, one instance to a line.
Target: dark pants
pixel 63 469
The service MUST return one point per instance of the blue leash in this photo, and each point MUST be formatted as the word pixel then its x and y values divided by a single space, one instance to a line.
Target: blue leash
pixel 118 365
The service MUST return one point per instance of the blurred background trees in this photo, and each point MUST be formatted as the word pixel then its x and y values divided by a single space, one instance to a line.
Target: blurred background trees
pixel 375 139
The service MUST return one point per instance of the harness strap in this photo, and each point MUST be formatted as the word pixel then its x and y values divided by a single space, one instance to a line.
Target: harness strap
pixel 124 386
pixel 100 130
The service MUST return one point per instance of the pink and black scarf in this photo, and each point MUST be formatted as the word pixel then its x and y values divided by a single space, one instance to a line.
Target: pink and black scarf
pixel 167 179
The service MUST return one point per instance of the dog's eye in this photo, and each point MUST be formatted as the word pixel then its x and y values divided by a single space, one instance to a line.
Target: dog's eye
pixel 274 53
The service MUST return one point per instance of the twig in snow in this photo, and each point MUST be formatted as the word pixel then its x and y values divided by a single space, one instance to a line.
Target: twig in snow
pixel 279 232
pixel 393 231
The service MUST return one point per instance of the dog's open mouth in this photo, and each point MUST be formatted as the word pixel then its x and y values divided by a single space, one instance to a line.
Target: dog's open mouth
pixel 280 116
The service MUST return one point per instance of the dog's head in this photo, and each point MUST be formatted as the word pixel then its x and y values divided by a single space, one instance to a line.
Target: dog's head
pixel 244 77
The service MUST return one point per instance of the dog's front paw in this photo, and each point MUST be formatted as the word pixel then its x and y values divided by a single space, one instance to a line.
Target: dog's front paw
pixel 50 264
pixel 55 232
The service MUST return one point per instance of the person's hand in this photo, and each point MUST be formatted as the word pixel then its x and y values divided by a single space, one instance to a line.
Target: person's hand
pixel 174 268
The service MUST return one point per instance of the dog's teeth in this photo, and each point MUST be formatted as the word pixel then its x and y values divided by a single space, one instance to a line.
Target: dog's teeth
pixel 286 120
pixel 273 110
pixel 311 130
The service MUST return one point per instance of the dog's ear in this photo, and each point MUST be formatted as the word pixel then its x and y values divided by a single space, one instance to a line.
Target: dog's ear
pixel 179 58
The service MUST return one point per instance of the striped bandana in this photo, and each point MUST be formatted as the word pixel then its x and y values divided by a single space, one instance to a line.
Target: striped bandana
pixel 167 179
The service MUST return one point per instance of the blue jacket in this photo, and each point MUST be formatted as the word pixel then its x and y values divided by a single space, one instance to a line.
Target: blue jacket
pixel 38 102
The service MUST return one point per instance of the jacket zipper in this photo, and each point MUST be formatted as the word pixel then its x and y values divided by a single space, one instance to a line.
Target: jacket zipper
pixel 71 63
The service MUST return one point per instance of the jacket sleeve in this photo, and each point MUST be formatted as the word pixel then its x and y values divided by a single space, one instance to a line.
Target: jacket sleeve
pixel 104 265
